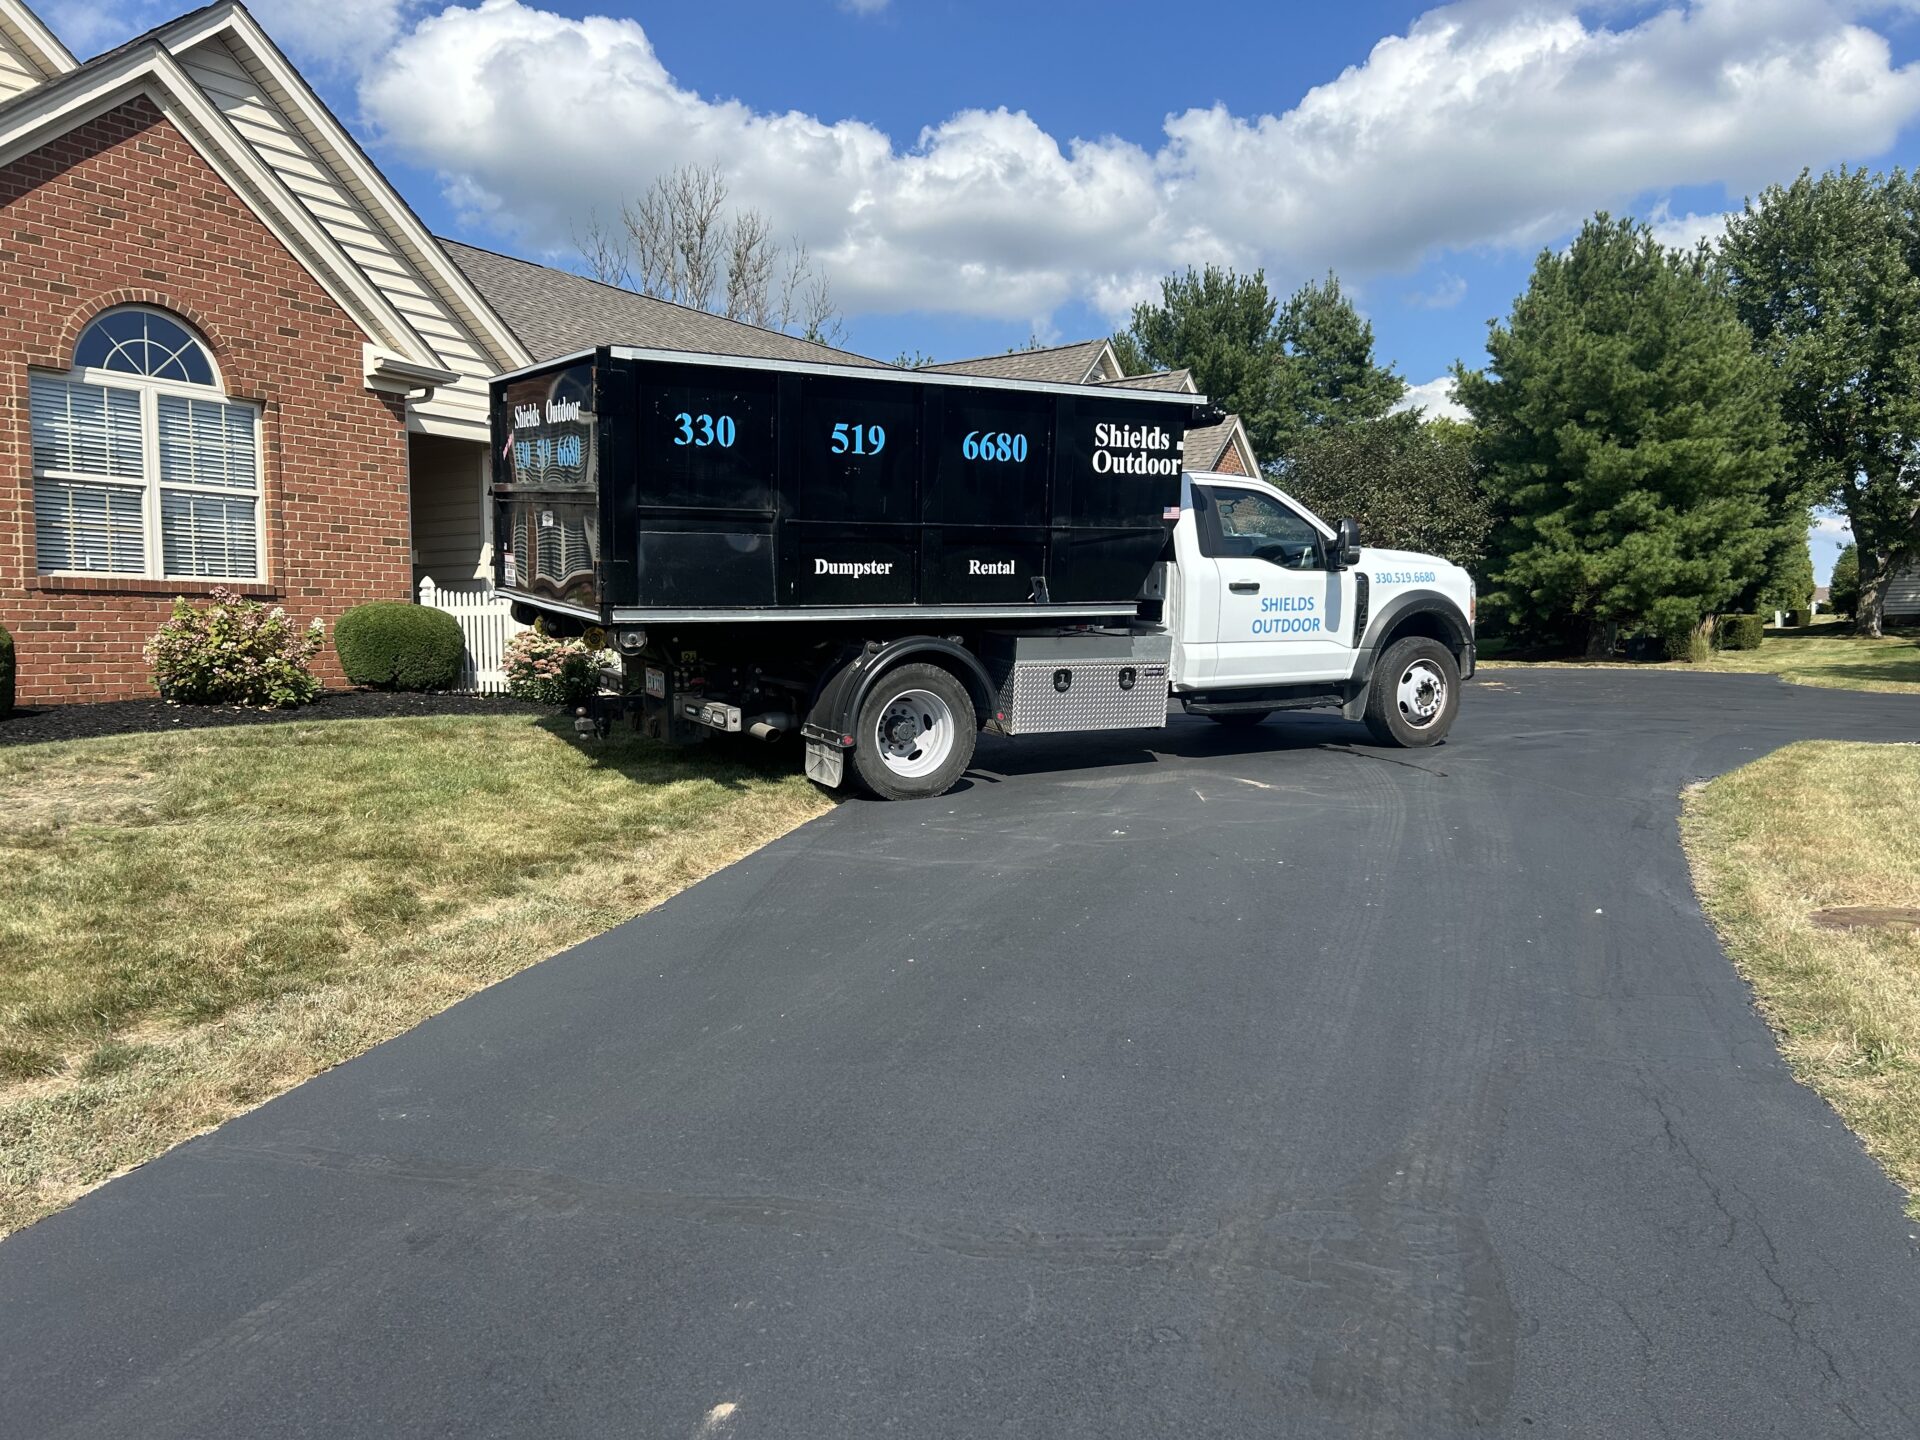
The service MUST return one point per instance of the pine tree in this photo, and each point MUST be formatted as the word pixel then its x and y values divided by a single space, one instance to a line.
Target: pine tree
pixel 1287 371
pixel 1329 378
pixel 1632 443
pixel 1219 325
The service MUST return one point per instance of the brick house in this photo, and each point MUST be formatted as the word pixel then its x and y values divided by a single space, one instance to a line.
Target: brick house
pixel 236 356
pixel 238 359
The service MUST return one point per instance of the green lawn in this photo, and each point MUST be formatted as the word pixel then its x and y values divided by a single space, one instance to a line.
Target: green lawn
pixel 192 922
pixel 1811 826
pixel 1821 654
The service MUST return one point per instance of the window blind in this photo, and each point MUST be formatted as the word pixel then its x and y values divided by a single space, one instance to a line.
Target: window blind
pixel 78 526
pixel 211 535
pixel 85 429
pixel 206 442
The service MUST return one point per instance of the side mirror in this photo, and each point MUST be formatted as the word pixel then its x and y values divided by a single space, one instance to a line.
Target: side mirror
pixel 1346 543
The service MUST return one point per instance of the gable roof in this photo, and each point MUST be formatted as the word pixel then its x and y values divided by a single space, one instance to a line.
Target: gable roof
pixel 146 67
pixel 1176 380
pixel 1074 364
pixel 555 312
pixel 221 81
pixel 1206 446
pixel 29 51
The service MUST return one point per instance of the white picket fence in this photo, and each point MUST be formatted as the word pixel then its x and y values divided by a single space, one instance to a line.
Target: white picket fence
pixel 485 624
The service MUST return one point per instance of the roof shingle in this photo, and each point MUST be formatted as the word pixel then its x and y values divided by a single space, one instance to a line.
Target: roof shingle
pixel 1179 381
pixel 1059 365
pixel 554 312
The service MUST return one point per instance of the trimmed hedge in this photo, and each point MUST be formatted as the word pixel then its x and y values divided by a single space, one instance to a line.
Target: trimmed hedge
pixel 6 673
pixel 1741 632
pixel 392 645
pixel 1686 644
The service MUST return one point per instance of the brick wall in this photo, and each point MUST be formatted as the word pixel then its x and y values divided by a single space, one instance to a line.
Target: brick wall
pixel 122 210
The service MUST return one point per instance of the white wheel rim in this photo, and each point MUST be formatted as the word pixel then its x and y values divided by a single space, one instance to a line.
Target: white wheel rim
pixel 1422 693
pixel 915 734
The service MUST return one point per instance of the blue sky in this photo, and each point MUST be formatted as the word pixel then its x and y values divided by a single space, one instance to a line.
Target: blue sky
pixel 969 174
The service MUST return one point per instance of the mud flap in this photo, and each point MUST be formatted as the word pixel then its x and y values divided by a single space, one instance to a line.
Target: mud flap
pixel 826 764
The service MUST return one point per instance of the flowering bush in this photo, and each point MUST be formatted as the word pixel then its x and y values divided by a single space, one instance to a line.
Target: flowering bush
pixel 234 652
pixel 553 672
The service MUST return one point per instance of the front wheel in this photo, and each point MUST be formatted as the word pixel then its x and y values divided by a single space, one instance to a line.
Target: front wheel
pixel 1414 693
pixel 916 733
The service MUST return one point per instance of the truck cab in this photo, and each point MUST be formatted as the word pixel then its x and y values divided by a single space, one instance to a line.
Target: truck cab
pixel 1267 602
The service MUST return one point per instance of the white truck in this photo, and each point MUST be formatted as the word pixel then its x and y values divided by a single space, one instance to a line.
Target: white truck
pixel 884 563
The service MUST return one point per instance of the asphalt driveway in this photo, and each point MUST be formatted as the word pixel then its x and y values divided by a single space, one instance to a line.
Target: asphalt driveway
pixel 1208 1085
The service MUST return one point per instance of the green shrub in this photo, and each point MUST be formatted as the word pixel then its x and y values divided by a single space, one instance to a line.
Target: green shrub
pixel 1686 642
pixel 1741 632
pixel 234 652
pixel 6 673
pixel 550 671
pixel 392 645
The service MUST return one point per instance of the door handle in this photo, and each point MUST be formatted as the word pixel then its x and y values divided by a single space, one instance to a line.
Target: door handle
pixel 1244 587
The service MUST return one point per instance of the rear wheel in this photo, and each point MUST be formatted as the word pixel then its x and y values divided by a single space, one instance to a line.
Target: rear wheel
pixel 1414 693
pixel 1240 719
pixel 916 733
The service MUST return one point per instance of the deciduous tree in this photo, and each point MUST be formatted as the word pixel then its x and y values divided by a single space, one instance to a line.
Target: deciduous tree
pixel 679 242
pixel 1826 274
pixel 1412 485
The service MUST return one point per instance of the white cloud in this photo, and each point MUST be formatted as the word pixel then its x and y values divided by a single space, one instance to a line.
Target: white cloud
pixel 1683 232
pixel 1486 123
pixel 334 34
pixel 1450 291
pixel 864 7
pixel 1434 399
pixel 1832 527
pixel 338 32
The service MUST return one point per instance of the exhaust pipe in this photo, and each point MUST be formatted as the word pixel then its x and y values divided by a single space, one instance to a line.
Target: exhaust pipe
pixel 771 726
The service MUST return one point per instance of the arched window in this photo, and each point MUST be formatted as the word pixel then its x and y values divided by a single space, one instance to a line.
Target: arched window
pixel 141 465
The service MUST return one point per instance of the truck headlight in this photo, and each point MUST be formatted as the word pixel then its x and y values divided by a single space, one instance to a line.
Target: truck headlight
pixel 632 641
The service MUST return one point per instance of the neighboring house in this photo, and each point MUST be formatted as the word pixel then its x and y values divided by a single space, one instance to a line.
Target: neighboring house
pixel 1222 447
pixel 237 357
pixel 1903 591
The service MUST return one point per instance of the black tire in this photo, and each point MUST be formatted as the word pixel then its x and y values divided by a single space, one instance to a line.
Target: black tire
pixel 1402 709
pixel 884 760
pixel 1240 719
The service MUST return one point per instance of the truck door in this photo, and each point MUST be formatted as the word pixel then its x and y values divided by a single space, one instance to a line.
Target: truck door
pixel 1284 617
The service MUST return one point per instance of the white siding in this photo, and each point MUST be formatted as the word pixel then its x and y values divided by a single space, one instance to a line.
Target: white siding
pixel 17 72
pixel 449 521
pixel 1903 591
pixel 276 140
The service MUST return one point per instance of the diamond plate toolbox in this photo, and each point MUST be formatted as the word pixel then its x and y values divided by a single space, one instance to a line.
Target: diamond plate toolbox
pixel 1080 680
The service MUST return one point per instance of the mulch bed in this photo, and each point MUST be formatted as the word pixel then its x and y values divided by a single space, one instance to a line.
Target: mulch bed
pixel 152 717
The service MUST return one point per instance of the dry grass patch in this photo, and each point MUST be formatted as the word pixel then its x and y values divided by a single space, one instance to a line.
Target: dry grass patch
pixel 1825 654
pixel 1811 826
pixel 191 923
